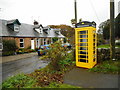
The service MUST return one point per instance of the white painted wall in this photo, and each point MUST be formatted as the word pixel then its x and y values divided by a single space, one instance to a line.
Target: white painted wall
pixel 32 44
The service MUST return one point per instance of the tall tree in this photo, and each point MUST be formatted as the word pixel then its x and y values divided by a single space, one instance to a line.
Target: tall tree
pixel 73 22
pixel 117 26
pixel 104 28
pixel 67 31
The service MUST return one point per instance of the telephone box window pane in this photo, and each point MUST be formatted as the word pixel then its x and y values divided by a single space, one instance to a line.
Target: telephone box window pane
pixel 83 60
pixel 83 36
pixel 83 44
pixel 94 60
pixel 83 48
pixel 83 56
pixel 83 52
pixel 82 32
pixel 83 40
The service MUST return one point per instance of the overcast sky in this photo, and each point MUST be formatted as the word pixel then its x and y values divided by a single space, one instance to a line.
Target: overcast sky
pixel 55 12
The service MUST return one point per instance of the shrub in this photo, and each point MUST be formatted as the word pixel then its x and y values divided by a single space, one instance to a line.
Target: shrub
pixel 56 53
pixel 54 39
pixel 9 47
pixel 59 57
pixel 68 61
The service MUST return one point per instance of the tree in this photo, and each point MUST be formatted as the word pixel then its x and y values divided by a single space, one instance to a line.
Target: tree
pixel 67 31
pixel 73 22
pixel 117 26
pixel 106 30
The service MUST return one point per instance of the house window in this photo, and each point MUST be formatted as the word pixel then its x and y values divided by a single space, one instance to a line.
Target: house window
pixel 16 28
pixel 44 41
pixel 21 43
pixel 37 43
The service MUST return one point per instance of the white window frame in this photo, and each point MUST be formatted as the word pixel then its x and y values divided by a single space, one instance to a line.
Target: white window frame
pixel 22 43
pixel 37 43
pixel 44 41
pixel 16 27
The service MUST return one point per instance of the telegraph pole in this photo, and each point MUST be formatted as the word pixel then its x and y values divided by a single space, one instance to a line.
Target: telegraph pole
pixel 75 3
pixel 112 31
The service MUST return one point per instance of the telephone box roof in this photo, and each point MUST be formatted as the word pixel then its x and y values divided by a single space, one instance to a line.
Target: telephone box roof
pixel 85 24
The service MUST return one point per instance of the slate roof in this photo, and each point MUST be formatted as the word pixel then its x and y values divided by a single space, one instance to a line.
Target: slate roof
pixel 26 30
pixel 13 21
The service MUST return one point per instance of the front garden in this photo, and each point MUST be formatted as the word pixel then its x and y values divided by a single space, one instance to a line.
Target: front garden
pixel 10 48
pixel 49 77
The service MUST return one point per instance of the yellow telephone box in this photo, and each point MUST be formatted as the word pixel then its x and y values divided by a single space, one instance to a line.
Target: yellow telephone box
pixel 85 40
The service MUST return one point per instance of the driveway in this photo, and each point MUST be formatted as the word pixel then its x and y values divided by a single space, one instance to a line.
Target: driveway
pixel 23 65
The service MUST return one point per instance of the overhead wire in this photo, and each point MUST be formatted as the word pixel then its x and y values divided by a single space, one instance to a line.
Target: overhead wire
pixel 94 11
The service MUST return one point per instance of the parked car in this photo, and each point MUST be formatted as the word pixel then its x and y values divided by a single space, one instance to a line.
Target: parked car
pixel 42 49
pixel 67 45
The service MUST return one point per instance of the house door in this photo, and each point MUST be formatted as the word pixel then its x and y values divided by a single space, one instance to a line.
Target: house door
pixel 32 44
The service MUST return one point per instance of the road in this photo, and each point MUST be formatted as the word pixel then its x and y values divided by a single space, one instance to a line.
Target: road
pixel 26 65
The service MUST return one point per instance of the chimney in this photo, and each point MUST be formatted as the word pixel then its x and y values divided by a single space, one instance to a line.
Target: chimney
pixel 36 24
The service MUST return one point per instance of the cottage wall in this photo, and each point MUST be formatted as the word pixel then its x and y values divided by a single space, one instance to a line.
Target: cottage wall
pixel 27 41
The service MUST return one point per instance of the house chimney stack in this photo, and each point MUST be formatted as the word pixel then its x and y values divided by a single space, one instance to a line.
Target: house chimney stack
pixel 35 22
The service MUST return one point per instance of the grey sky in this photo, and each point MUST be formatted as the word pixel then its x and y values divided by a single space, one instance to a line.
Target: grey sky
pixel 55 12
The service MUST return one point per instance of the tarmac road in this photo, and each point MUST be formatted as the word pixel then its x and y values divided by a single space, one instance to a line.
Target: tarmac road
pixel 26 65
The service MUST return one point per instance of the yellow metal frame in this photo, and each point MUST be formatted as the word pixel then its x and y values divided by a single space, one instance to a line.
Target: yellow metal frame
pixel 91 56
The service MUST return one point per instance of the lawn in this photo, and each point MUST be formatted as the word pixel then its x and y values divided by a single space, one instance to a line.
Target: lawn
pixel 107 67
pixel 107 46
pixel 24 81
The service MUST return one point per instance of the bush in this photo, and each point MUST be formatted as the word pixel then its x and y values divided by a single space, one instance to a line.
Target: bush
pixel 68 61
pixel 59 57
pixel 9 47
pixel 55 54
pixel 54 39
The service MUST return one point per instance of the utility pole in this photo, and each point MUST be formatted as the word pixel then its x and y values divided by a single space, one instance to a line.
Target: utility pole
pixel 75 3
pixel 112 31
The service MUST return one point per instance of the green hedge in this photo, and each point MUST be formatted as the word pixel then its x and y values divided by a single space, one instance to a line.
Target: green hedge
pixel 9 47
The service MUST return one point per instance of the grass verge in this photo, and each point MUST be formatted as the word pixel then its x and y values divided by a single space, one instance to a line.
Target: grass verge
pixel 107 46
pixel 107 67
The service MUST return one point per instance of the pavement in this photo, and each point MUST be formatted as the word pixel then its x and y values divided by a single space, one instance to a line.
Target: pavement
pixel 82 78
pixel 16 57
